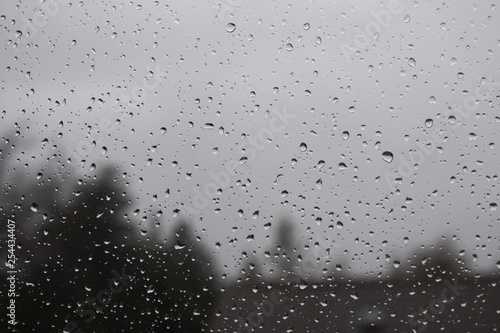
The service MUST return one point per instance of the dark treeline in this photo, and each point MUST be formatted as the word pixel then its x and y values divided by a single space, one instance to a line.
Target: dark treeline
pixel 84 265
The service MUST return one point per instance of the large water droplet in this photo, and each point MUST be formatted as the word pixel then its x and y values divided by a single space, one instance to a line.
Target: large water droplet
pixel 387 156
pixel 303 147
pixel 428 123
pixel 230 27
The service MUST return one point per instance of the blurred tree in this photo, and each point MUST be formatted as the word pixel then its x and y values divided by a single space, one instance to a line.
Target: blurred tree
pixel 250 272
pixel 432 263
pixel 83 265
pixel 285 252
pixel 186 275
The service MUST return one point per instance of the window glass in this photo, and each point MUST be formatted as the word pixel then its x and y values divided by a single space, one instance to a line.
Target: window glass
pixel 249 166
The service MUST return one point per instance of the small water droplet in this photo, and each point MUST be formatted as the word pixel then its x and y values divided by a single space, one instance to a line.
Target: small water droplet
pixel 412 62
pixel 302 284
pixel 306 26
pixel 34 207
pixel 428 123
pixel 303 147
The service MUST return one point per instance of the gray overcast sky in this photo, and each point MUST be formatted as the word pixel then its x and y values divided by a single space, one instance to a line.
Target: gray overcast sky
pixel 428 58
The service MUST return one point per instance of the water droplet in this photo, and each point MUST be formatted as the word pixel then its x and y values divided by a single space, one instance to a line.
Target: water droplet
pixel 289 47
pixel 230 27
pixel 412 62
pixel 407 18
pixel 428 123
pixel 179 246
pixel 345 135
pixel 318 40
pixel 303 147
pixel 34 207
pixel 387 156
pixel 306 26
